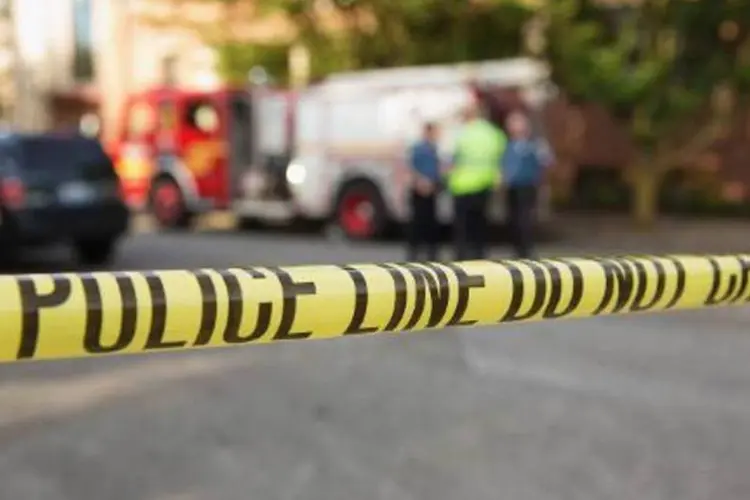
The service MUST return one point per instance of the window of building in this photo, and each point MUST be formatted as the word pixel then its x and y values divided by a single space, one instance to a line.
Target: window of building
pixel 169 67
pixel 83 55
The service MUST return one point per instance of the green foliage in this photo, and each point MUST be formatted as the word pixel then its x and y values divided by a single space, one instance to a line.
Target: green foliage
pixel 438 31
pixel 454 31
pixel 653 67
pixel 659 69
pixel 408 33
pixel 235 61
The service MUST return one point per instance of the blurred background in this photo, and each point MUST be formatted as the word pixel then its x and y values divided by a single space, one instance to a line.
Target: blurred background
pixel 158 128
pixel 621 86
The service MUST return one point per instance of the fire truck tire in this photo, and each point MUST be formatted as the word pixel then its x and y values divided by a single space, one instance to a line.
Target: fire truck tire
pixel 245 223
pixel 168 204
pixel 360 212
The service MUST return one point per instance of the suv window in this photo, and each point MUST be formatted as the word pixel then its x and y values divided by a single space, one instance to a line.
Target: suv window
pixel 59 159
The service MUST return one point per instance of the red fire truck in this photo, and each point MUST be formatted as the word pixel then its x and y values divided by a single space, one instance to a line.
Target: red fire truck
pixel 333 152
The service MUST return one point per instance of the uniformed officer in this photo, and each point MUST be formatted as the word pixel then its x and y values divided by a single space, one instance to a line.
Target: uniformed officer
pixel 474 175
pixel 425 186
pixel 524 163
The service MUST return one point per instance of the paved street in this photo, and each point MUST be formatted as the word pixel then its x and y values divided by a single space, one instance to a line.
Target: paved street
pixel 638 408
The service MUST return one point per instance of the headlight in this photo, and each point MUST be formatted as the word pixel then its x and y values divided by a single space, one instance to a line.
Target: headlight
pixel 296 173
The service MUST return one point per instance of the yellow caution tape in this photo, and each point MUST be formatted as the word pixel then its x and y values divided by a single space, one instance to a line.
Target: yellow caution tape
pixel 79 315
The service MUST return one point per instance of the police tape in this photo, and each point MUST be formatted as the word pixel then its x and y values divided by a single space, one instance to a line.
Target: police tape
pixel 92 314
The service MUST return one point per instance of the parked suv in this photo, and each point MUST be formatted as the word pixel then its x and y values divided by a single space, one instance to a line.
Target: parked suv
pixel 60 189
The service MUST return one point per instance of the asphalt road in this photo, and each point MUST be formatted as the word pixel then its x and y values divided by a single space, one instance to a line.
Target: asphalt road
pixel 647 407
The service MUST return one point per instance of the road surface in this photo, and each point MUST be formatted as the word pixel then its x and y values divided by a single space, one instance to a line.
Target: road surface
pixel 646 408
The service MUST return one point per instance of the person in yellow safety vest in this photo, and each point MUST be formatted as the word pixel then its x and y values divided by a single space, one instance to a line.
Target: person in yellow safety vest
pixel 471 179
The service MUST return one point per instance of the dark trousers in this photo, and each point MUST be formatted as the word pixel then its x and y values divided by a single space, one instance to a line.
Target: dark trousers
pixel 470 225
pixel 521 206
pixel 423 227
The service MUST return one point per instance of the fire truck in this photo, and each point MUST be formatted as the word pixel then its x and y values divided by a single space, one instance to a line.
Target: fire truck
pixel 334 152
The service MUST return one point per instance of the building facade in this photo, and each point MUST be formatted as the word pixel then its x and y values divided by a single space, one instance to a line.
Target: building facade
pixel 64 59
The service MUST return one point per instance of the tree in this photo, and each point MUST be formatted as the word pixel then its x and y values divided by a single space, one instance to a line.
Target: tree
pixel 356 34
pixel 362 34
pixel 384 33
pixel 670 72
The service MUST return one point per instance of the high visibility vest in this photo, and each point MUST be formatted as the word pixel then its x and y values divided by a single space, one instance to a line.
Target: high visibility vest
pixel 478 154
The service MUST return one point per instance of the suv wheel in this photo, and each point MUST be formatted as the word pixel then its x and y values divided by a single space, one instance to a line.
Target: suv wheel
pixel 95 252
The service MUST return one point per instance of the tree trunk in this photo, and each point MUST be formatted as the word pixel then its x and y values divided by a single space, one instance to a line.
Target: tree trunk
pixel 645 196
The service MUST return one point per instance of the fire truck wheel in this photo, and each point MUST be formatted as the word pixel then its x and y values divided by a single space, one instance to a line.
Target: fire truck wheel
pixel 168 205
pixel 361 213
pixel 248 223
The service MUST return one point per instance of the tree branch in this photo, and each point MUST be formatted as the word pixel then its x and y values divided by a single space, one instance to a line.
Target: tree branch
pixel 722 112
pixel 701 141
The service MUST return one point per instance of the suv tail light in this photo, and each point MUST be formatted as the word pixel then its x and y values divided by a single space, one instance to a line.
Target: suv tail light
pixel 12 193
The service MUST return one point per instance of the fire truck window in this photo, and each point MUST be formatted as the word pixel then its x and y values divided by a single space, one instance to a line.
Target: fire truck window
pixel 141 121
pixel 167 116
pixel 240 128
pixel 202 116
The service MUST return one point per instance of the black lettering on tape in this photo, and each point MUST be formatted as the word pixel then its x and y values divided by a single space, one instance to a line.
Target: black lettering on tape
pixel 157 329
pixel 519 291
pixel 618 285
pixel 716 283
pixel 639 281
pixel 399 301
pixel 556 287
pixel 742 287
pixel 93 330
pixel 439 291
pixel 209 308
pixel 466 282
pixel 420 292
pixel 437 286
pixel 717 280
pixel 737 286
pixel 236 308
pixel 235 305
pixel 31 303
pixel 92 337
pixel 361 297
pixel 291 291
pixel 129 306
pixel 661 284
pixel 542 282
pixel 680 286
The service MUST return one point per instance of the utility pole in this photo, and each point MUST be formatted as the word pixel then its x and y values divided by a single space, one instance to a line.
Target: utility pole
pixel 8 63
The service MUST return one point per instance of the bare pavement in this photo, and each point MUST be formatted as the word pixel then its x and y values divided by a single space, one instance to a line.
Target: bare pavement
pixel 641 407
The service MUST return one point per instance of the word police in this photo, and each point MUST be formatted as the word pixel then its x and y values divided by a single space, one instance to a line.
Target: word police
pixel 107 313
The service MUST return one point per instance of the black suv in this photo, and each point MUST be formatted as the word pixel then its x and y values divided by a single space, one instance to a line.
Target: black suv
pixel 60 189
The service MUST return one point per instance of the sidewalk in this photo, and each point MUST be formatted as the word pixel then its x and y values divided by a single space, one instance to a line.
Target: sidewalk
pixel 590 234
pixel 616 234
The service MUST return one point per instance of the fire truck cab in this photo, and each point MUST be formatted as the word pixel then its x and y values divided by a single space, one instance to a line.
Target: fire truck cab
pixel 334 152
pixel 181 153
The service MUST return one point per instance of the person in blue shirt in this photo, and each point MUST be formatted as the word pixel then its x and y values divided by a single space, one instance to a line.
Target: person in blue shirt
pixel 425 185
pixel 524 163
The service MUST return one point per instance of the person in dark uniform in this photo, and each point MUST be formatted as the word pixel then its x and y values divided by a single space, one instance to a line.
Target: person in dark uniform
pixel 524 163
pixel 425 186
